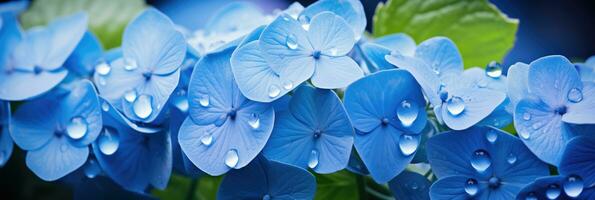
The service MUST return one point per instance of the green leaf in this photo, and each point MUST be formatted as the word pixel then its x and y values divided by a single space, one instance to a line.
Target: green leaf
pixel 107 18
pixel 338 185
pixel 180 187
pixel 482 33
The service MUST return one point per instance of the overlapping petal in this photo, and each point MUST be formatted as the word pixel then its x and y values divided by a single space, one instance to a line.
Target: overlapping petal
pixel 551 78
pixel 351 10
pixel 6 144
pixel 578 159
pixel 410 186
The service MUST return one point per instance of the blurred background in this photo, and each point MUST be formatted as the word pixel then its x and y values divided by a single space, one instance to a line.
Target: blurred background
pixel 546 27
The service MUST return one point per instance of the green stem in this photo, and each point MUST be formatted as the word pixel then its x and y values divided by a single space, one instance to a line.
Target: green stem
pixel 428 173
pixel 361 187
pixel 193 185
pixel 378 194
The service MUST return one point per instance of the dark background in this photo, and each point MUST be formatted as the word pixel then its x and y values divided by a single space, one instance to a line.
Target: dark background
pixel 565 27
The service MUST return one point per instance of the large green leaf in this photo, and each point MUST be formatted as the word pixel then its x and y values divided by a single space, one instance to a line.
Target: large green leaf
pixel 180 187
pixel 107 18
pixel 338 185
pixel 481 32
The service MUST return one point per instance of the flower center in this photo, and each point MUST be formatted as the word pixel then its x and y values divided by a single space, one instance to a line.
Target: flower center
pixel 494 182
pixel 232 114
pixel 385 121
pixel 317 133
pixel 37 69
pixel 316 54
pixel 561 110
pixel 147 75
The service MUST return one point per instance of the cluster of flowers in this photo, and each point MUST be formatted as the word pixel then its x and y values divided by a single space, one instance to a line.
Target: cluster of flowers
pixel 265 100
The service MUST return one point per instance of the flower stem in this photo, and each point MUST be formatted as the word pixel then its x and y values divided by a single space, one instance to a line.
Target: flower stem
pixel 193 185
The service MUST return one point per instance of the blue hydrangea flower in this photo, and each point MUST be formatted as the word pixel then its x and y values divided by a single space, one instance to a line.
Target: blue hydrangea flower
pixel 410 186
pixel 556 187
pixel 31 63
pixel 314 132
pixel 264 179
pixel 288 54
pixel 550 97
pixel 374 52
pixel 388 112
pixel 578 160
pixel 481 163
pixel 181 163
pixel 224 130
pixel 141 81
pixel 351 11
pixel 587 69
pixel 5 139
pixel 457 101
pixel 56 129
pixel 134 160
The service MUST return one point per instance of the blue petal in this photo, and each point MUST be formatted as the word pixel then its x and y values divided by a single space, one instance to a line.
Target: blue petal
pixel 33 124
pixel 551 78
pixel 232 18
pixel 335 72
pixel 582 112
pixel 376 54
pixel 453 187
pixel 356 165
pixel 441 55
pixel 113 86
pixel 18 85
pixel 56 159
pixel 587 69
pixel 293 139
pixel 410 186
pixel 113 116
pixel 160 89
pixel 538 188
pixel 5 138
pixel 85 55
pixel 10 32
pixel 399 42
pixel 578 159
pixel 329 34
pixel 153 43
pixel 518 83
pixel 267 178
pixel 478 102
pixel 351 10
pixel 427 79
pixel 541 129
pixel 252 36
pixel 181 163
pixel 256 78
pixel 82 101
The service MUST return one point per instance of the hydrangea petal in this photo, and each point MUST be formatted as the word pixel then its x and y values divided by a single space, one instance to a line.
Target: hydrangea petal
pixel 441 55
pixel 552 78
pixel 376 54
pixel 400 42
pixel 285 44
pixel 478 102
pixel 330 34
pixel 335 72
pixel 6 143
pixel 582 112
pixel 429 81
pixel 518 83
pixel 351 10
pixel 113 86
pixel 452 187
pixel 153 42
pixel 159 88
pixel 538 188
pixel 82 101
pixel 578 159
pixel 85 55
pixel 17 86
pixel 229 18
pixel 410 186
pixel 33 124
pixel 56 159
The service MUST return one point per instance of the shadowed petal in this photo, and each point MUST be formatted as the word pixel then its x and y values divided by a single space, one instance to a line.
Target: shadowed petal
pixel 56 159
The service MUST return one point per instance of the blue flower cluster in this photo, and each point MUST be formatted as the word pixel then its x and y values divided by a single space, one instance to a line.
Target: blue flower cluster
pixel 270 101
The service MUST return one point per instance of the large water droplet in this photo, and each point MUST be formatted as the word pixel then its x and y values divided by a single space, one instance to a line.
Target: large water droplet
pixel 142 106
pixel 573 186
pixel 527 116
pixel 204 100
pixel 92 168
pixel 207 139
pixel 553 191
pixel 494 69
pixel 305 21
pixel 407 113
pixel 313 159
pixel 492 136
pixel 408 144
pixel 104 106
pixel 274 91
pixel 511 158
pixel 130 64
pixel 575 95
pixel 525 134
pixel 480 160
pixel 455 106
pixel 254 121
pixel 103 69
pixel 231 158
pixel 288 85
pixel 471 187
pixel 77 128
pixel 108 141
pixel 291 41
pixel 130 96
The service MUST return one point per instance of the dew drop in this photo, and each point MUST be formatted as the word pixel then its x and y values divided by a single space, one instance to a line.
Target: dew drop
pixel 482 83
pixel 77 128
pixel 573 186
pixel 181 101
pixel 254 121
pixel 130 64
pixel 231 158
pixel 525 134
pixel 435 68
pixel 130 96
pixel 104 106
pixel 207 139
pixel 407 113
pixel 491 136
pixel 408 144
pixel 291 41
pixel 274 91
pixel 494 69
pixel 455 106
pixel 103 69
pixel 142 106
pixel 288 85
pixel 575 95
pixel 305 21
pixel 313 159
pixel 471 187
pixel 204 100
pixel 480 160
pixel 511 158
pixel 527 116
pixel 553 191
pixel 92 168
pixel 108 141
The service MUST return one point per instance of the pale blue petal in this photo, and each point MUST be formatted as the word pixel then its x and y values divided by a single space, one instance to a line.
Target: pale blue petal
pixel 335 72
pixel 441 55
pixel 518 83
pixel 582 112
pixel 85 55
pixel 234 16
pixel 453 188
pixel 19 85
pixel 33 124
pixel 160 89
pixel 330 34
pixel 424 75
pixel 351 10
pixel 551 78
pixel 479 103
pixel 399 42
pixel 113 86
pixel 56 159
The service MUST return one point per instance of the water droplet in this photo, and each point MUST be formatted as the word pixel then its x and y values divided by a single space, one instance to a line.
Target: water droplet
pixel 288 85
pixel 407 113
pixel 254 121
pixel 455 105
pixel 130 96
pixel 575 95
pixel 142 106
pixel 103 69
pixel 494 69
pixel 313 160
pixel 108 141
pixel 77 128
pixel 333 51
pixel 492 136
pixel 511 158
pixel 527 116
pixel 104 106
pixel 231 158
pixel 92 168
pixel 274 91
pixel 130 64
pixel 305 21
pixel 207 139
pixel 525 134
pixel 291 41
pixel 573 186
pixel 480 160
pixel 482 83
pixel 204 100
pixel 471 187
pixel 531 196
pixel 408 144
pixel 266 197
pixel 181 101
pixel 435 68
pixel 553 191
